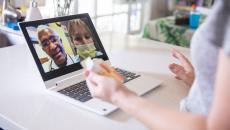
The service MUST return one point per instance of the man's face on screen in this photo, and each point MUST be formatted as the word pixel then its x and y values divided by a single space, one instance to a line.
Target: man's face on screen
pixel 81 35
pixel 52 45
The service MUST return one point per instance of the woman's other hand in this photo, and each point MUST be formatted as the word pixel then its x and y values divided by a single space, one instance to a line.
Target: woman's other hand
pixel 185 71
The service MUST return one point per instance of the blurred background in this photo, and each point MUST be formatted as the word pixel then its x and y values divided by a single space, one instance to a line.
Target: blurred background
pixel 145 18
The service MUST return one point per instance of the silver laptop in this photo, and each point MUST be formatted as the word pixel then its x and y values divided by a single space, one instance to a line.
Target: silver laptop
pixel 58 45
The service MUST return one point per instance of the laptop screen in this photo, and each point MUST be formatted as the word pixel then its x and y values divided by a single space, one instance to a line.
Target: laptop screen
pixel 58 45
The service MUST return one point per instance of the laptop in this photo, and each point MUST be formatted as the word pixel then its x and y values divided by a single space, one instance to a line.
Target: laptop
pixel 58 45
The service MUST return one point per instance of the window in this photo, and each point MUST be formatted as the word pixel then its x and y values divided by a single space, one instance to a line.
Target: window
pixel 113 15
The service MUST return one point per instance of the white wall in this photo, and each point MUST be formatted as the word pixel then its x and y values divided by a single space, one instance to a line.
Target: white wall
pixel 159 8
pixel 156 8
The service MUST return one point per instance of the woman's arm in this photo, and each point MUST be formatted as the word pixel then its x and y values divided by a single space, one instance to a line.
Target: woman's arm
pixel 219 117
pixel 149 113
pixel 157 117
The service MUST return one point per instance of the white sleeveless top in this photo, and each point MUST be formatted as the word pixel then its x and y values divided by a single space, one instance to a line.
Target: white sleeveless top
pixel 205 45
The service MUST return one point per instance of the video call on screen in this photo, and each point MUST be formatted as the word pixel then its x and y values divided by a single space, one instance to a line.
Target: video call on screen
pixel 60 44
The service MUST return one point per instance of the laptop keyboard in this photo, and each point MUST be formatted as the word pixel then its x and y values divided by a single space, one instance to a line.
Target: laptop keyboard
pixel 81 92
pixel 77 91
pixel 127 75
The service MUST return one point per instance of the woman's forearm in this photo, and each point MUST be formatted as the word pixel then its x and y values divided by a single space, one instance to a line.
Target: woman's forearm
pixel 156 117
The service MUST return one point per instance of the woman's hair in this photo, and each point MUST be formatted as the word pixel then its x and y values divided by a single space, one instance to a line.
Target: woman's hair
pixel 77 22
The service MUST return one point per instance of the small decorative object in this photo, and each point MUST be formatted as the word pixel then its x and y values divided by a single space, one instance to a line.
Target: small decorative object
pixel 9 13
pixel 194 18
pixel 181 17
pixel 62 7
pixel 33 12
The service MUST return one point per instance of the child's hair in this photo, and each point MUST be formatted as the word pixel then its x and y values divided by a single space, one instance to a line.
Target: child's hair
pixel 75 22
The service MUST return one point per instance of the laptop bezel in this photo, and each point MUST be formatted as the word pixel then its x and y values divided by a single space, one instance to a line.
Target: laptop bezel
pixel 68 69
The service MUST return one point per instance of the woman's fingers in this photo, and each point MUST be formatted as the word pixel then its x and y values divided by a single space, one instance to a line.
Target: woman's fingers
pixel 86 73
pixel 183 60
pixel 93 81
pixel 106 67
pixel 91 87
pixel 95 78
pixel 178 78
pixel 178 71
pixel 181 74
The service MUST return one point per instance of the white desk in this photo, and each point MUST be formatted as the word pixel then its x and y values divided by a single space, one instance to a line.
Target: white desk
pixel 24 101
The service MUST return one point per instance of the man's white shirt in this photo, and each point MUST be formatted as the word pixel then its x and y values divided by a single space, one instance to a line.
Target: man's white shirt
pixel 50 65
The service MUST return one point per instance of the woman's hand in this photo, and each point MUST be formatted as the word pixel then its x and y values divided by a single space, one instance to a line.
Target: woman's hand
pixel 185 71
pixel 104 87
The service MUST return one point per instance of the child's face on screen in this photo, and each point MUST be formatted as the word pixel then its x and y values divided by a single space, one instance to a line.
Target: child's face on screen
pixel 81 35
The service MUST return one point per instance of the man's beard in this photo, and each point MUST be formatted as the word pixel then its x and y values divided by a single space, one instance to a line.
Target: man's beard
pixel 63 64
pixel 63 53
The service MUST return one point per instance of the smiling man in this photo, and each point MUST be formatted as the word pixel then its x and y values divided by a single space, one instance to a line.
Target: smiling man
pixel 52 45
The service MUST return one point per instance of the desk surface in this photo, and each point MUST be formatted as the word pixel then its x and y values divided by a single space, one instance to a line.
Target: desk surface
pixel 24 101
